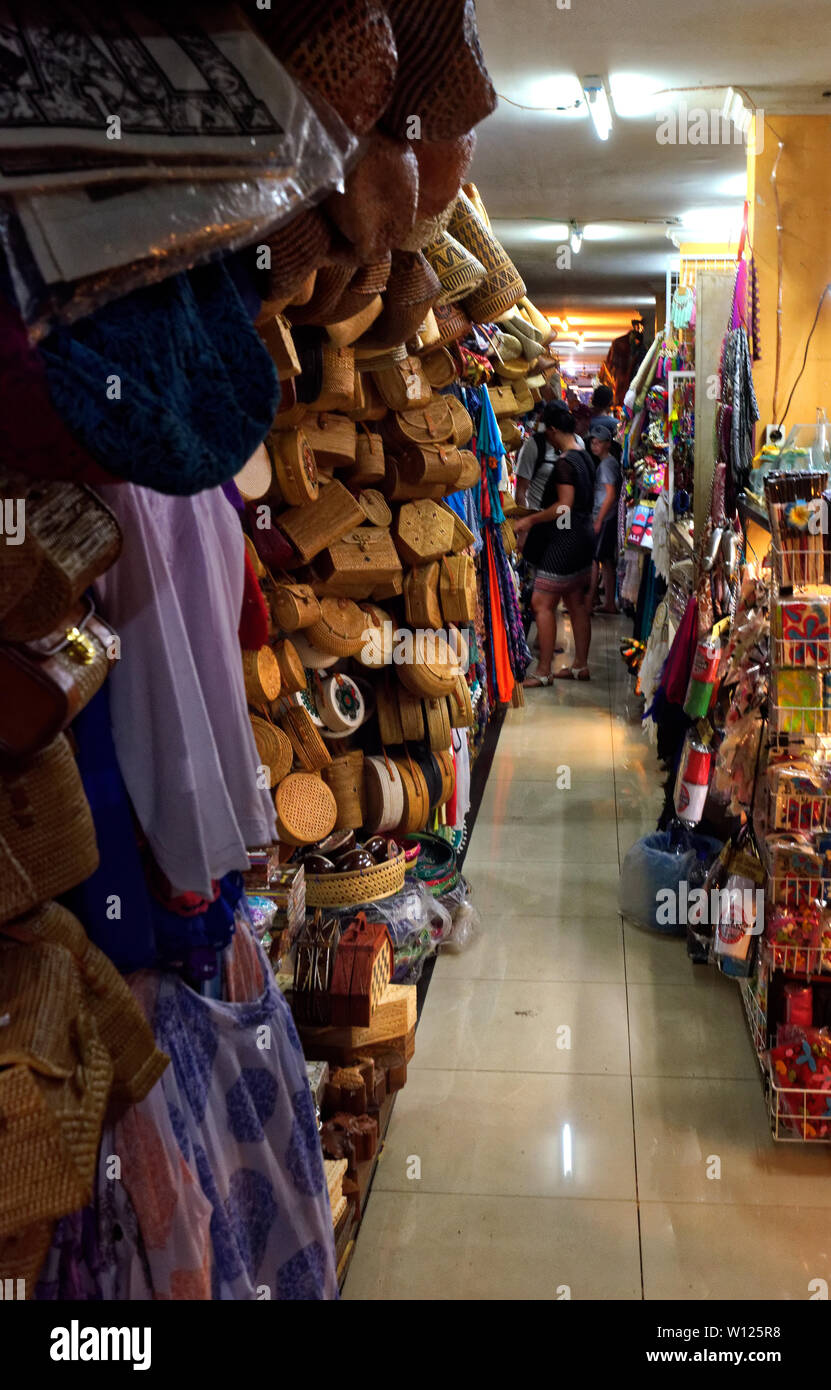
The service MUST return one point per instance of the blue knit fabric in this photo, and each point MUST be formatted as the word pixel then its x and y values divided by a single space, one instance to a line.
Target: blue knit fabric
pixel 169 387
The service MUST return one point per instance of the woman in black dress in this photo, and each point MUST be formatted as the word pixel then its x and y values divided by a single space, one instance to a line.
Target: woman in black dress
pixel 560 540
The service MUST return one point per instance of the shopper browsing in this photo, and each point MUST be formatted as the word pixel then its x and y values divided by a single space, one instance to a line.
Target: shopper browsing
pixel 559 541
pixel 604 514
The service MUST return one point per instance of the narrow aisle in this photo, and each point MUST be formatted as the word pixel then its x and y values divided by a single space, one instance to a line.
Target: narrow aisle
pixel 574 1079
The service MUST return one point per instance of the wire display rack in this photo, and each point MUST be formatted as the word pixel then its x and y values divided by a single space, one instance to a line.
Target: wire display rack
pixel 797 1114
pixel 755 1008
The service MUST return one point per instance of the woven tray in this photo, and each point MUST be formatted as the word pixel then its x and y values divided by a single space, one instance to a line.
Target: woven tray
pixel 362 886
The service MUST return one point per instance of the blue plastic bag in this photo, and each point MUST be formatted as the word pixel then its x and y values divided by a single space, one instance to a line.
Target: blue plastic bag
pixel 652 868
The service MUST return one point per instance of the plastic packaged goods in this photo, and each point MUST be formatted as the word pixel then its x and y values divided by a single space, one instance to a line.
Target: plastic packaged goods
pixel 655 878
pixel 693 780
pixel 219 148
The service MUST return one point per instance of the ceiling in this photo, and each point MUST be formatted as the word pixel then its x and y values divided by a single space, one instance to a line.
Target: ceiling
pixel 538 170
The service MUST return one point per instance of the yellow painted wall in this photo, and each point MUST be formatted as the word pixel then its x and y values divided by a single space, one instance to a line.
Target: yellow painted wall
pixel 804 183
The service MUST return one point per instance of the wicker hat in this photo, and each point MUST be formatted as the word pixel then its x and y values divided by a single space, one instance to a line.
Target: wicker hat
pixel 330 285
pixel 459 272
pixel 426 229
pixel 442 168
pixel 452 323
pixel 503 285
pixel 412 289
pixel 377 209
pixel 441 69
pixel 295 251
pixel 344 332
pixel 255 478
pixel 344 52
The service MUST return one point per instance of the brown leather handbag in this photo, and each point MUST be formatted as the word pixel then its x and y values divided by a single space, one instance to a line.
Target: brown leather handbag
pixel 45 683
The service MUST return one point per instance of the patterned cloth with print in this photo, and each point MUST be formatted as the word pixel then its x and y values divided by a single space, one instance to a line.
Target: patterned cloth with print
pixel 222 1161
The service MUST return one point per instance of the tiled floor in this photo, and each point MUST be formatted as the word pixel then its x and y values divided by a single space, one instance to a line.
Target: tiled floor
pixel 575 1078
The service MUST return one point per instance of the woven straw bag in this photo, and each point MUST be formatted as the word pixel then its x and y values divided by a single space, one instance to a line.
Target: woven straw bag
pixel 451 322
pixel 421 596
pixel 462 534
pixel 503 286
pixel 332 438
pixel 293 606
pixel 374 507
pixel 262 676
pixel 411 713
pixel 416 807
pixel 384 795
pixel 347 331
pixel 294 467
pixel 356 564
pixel 438 723
pixel 274 749
pixel 441 69
pixel 424 424
pixel 471 471
pixel 396 489
pixel 291 413
pixel 423 532
pixel 70 538
pixel 292 670
pixel 275 331
pixel 432 465
pixel 394 589
pixel 369 459
pixel 504 402
pixel 389 715
pixel 403 385
pixel 459 272
pixel 345 777
pixel 434 668
pixel 448 775
pixel 369 405
pixel 458 589
pixel 508 536
pixel 439 368
pixel 460 705
pixel 510 434
pixel 47 837
pixel 379 640
pixel 316 525
pixel 309 749
pixel 338 388
pixel 312 657
pixel 340 627
pixel 306 809
pixel 523 397
pixel 462 423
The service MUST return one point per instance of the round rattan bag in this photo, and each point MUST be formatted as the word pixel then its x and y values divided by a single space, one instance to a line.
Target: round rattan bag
pixel 416 797
pixel 412 715
pixel 438 724
pixel 262 676
pixel 345 776
pixel 292 670
pixel 273 749
pixel 373 504
pixel 340 627
pixel 306 809
pixel 384 795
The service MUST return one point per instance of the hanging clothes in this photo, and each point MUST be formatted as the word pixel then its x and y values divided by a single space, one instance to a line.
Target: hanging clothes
pixel 623 360
pixel 175 598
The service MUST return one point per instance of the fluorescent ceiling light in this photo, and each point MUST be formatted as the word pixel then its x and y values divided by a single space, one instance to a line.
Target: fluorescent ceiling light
pixel 576 238
pixel 560 94
pixel 728 103
pixel 734 186
pixel 598 106
pixel 634 95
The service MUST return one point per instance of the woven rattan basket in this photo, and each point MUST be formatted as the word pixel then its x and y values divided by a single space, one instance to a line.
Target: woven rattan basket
pixel 370 406
pixel 439 368
pixel 384 795
pixel 370 466
pixel 309 749
pixel 338 390
pixel 434 668
pixel 292 670
pixel 426 424
pixel 379 638
pixel 375 507
pixel 458 589
pixel 471 471
pixel 411 714
pixel 274 749
pixel 416 796
pixel 362 886
pixel 306 809
pixel 462 423
pixel 46 830
pixel 262 676
pixel 460 705
pixel 340 627
pixel 421 596
pixel 448 775
pixel 438 724
pixel 345 777
pixel 332 438
pixel 293 606
pixel 315 525
pixel 403 385
pixel 389 715
pixel 423 531
pixel 294 467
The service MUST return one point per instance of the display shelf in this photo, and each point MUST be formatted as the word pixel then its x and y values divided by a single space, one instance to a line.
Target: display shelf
pixel 798 1115
pixel 364 1178
pixel 756 1020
